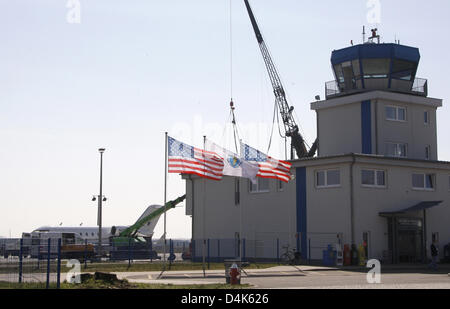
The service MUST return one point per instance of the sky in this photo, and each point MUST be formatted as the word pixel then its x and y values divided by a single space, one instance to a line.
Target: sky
pixel 125 72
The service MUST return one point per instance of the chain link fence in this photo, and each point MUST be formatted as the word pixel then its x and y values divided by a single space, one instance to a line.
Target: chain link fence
pixel 318 242
pixel 39 261
pixel 264 250
pixel 30 261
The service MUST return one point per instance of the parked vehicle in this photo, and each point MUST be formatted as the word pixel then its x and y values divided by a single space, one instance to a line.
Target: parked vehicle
pixel 72 245
pixel 130 244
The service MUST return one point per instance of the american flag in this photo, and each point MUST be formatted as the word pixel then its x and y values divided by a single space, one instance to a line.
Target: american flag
pixel 185 159
pixel 268 166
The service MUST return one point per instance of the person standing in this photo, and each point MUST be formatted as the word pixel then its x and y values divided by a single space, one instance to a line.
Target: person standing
pixel 434 255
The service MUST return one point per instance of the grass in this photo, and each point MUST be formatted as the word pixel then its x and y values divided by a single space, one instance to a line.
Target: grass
pixel 121 267
pixel 114 267
pixel 121 284
pixel 156 266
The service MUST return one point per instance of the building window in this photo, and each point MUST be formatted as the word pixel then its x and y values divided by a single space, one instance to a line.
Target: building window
pixel 376 68
pixel 403 70
pixel 339 74
pixel 395 113
pixel 428 152
pixel 237 192
pixel 261 186
pixel 423 181
pixel 329 178
pixel 396 150
pixel 426 117
pixel 280 186
pixel 373 178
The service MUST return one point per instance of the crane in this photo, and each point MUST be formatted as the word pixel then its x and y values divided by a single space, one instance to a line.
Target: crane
pixel 131 232
pixel 290 126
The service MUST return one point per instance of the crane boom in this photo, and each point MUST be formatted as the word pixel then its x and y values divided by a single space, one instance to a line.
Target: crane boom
pixel 132 230
pixel 290 126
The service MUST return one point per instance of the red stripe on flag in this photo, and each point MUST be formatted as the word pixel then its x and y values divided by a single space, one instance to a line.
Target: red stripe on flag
pixel 185 167
pixel 181 162
pixel 196 173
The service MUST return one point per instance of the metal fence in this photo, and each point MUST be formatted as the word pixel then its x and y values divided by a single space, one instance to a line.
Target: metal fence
pixel 24 261
pixel 318 242
pixel 332 89
pixel 273 250
pixel 147 252
pixel 262 250
pixel 39 261
pixel 418 87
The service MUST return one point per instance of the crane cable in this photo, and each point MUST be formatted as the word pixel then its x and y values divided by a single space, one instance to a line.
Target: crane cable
pixel 225 129
pixel 235 130
pixel 299 123
pixel 277 116
pixel 232 115
pixel 231 50
pixel 271 132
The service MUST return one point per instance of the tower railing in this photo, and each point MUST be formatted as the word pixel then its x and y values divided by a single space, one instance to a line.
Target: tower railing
pixel 419 87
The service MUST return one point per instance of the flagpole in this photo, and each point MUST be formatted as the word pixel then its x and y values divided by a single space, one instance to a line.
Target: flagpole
pixel 241 210
pixel 165 202
pixel 204 210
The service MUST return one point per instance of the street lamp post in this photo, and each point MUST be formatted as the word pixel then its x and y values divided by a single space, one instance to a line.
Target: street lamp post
pixel 100 200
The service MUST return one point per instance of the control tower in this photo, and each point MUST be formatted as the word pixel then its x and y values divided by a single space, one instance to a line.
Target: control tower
pixel 377 105
pixel 376 186
pixel 371 66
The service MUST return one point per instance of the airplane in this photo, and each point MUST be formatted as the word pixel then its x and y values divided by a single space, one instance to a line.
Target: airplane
pixel 81 234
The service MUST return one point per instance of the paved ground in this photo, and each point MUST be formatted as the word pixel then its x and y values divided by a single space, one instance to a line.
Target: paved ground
pixel 289 277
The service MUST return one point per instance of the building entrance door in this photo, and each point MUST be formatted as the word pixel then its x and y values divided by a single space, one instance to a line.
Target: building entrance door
pixel 409 241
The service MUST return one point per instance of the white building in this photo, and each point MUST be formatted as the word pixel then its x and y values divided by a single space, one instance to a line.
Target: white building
pixel 377 178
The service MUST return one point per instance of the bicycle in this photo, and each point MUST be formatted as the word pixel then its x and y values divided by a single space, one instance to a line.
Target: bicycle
pixel 290 256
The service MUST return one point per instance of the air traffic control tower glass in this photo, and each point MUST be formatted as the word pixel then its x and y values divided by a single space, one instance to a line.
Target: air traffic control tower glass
pixel 371 66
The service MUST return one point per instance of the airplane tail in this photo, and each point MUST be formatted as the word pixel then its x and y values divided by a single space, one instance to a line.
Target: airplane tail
pixel 147 229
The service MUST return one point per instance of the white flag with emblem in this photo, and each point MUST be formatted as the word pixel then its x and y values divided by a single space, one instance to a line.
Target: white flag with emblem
pixel 233 165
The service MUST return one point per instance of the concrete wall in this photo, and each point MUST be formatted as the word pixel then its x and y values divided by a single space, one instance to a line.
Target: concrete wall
pixel 339 130
pixel 329 209
pixel 271 216
pixel 339 124
pixel 398 195
pixel 261 218
pixel 413 131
